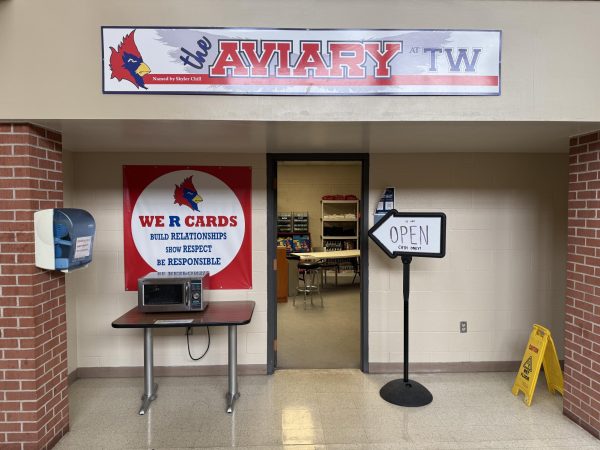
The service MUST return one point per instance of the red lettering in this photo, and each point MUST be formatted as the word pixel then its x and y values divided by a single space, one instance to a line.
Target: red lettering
pixel 283 68
pixel 148 221
pixel 310 58
pixel 259 66
pixel 391 49
pixel 350 55
pixel 210 221
pixel 229 58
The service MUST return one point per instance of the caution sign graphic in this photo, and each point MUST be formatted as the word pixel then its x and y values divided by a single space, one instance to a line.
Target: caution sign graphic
pixel 540 350
pixel 527 366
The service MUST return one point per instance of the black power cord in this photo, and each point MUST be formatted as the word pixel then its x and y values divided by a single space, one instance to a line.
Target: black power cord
pixel 187 335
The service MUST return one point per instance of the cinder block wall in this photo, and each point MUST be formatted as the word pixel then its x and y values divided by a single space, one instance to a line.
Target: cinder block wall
pixel 582 308
pixel 99 291
pixel 34 406
pixel 504 268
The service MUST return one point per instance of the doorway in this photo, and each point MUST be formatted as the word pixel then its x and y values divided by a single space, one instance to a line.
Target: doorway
pixel 328 330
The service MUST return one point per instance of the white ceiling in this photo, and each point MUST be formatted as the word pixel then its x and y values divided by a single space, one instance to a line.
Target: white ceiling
pixel 344 137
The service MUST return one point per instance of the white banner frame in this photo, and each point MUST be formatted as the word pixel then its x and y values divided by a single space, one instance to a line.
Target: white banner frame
pixel 286 61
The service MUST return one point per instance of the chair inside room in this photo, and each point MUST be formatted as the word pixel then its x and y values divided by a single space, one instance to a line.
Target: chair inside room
pixel 327 265
pixel 309 273
pixel 356 268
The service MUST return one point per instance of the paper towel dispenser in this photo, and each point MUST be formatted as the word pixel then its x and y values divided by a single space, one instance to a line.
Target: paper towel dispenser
pixel 64 238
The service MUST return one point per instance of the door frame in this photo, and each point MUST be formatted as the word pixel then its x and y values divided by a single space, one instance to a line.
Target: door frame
pixel 272 160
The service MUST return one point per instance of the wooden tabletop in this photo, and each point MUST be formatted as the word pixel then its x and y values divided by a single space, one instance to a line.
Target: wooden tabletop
pixel 215 314
pixel 329 255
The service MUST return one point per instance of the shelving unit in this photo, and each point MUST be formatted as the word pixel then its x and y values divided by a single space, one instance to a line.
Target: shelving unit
pixel 339 229
pixel 339 224
pixel 292 231
pixel 284 223
pixel 300 222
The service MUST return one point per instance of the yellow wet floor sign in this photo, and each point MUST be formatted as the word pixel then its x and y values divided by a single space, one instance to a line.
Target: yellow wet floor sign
pixel 540 349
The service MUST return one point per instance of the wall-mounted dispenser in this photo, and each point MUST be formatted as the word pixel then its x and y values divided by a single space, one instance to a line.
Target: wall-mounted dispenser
pixel 64 238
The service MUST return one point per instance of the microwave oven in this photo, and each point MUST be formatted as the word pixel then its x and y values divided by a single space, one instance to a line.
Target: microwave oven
pixel 172 291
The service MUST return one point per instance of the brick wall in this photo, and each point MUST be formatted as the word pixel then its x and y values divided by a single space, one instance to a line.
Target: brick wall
pixel 582 309
pixel 33 337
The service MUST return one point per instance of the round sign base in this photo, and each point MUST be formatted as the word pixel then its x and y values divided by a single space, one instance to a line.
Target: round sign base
pixel 406 393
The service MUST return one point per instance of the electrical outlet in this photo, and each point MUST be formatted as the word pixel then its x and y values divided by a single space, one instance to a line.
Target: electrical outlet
pixel 463 326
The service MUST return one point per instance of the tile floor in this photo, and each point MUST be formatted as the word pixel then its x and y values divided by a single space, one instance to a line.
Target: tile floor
pixel 325 337
pixel 318 409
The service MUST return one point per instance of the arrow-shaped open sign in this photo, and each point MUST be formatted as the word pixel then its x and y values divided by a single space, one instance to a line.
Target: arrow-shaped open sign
pixel 411 234
pixel 408 235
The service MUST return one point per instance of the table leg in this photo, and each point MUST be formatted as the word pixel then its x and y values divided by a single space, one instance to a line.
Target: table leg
pixel 150 387
pixel 233 393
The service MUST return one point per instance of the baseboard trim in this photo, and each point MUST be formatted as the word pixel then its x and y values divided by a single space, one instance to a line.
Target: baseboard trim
pixel 450 367
pixel 261 369
pixel 72 377
pixel 163 371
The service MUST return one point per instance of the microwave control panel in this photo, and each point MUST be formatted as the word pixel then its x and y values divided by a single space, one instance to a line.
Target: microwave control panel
pixel 196 300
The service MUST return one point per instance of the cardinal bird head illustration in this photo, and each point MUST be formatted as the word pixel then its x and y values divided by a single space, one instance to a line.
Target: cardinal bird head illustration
pixel 186 194
pixel 126 63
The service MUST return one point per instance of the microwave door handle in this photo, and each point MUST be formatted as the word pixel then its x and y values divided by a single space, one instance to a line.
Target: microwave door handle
pixel 186 296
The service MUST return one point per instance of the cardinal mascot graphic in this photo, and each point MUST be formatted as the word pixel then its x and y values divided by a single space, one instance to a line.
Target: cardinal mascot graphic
pixel 187 195
pixel 126 63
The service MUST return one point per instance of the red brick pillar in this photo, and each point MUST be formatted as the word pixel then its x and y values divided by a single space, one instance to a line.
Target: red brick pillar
pixel 34 410
pixel 582 310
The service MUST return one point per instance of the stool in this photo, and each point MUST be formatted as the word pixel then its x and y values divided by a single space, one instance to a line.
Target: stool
pixel 308 274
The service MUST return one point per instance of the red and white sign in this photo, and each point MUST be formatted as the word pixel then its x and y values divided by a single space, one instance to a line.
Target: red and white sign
pixel 266 61
pixel 188 219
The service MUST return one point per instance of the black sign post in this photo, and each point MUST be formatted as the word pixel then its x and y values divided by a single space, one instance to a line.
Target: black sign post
pixel 407 235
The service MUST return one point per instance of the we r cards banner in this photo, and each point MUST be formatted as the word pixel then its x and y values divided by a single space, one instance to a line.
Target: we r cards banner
pixel 187 219
pixel 267 61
